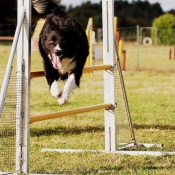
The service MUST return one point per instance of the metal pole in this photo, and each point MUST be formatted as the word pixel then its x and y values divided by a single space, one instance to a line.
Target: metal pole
pixel 125 97
pixel 10 61
pixel 138 45
pixel 23 69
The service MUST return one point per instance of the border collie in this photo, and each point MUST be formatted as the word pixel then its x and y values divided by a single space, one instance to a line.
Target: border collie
pixel 63 46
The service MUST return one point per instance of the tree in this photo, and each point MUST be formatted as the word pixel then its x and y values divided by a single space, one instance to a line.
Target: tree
pixel 8 17
pixel 86 10
pixel 136 12
pixel 166 28
pixel 8 12
pixel 129 13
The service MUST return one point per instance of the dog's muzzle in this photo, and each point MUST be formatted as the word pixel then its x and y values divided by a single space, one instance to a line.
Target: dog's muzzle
pixel 58 52
pixel 56 59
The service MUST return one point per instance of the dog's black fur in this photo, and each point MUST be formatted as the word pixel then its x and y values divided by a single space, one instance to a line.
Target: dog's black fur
pixel 64 48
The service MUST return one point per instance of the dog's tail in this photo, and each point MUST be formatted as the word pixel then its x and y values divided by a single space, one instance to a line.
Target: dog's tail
pixel 41 8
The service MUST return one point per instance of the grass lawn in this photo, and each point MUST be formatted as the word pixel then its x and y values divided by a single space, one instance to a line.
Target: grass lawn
pixel 151 99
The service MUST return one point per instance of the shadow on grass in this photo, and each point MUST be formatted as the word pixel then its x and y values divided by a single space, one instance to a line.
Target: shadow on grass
pixel 66 130
pixel 161 127
pixel 89 129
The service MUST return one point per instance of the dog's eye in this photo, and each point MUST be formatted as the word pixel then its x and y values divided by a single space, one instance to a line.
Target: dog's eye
pixel 51 42
pixel 63 41
pixel 53 27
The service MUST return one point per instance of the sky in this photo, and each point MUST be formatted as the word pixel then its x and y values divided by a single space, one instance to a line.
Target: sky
pixel 165 4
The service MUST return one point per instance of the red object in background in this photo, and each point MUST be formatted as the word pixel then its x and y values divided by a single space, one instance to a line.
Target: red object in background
pixel 123 60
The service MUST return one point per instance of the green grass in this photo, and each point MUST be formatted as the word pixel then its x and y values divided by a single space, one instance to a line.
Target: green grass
pixel 151 98
pixel 148 58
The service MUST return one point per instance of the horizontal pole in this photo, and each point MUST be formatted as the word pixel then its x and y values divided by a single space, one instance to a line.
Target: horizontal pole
pixel 69 112
pixel 37 74
pixel 86 69
pixel 7 38
pixel 124 152
pixel 97 68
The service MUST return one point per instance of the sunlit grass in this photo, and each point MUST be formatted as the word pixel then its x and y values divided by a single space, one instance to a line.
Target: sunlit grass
pixel 151 99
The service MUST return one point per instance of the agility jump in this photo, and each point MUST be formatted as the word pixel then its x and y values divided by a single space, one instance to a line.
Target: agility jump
pixel 116 109
pixel 114 91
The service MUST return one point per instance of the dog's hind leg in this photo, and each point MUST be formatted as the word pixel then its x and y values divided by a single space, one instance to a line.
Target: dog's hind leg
pixel 69 86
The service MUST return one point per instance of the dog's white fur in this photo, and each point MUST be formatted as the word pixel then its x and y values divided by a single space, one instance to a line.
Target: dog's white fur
pixel 69 86
pixel 67 90
pixel 67 65
pixel 54 89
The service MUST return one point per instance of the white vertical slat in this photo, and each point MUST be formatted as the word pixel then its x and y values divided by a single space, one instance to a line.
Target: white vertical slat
pixel 19 93
pixel 21 15
pixel 23 69
pixel 26 90
pixel 109 76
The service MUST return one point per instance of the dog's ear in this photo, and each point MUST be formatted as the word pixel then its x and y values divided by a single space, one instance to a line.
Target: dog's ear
pixel 68 25
pixel 52 22
pixel 65 23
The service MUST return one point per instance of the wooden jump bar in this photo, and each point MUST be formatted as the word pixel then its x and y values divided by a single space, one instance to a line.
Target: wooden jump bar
pixel 69 112
pixel 8 38
pixel 96 68
pixel 85 70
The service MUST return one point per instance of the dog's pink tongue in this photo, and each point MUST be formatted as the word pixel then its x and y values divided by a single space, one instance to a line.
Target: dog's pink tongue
pixel 56 62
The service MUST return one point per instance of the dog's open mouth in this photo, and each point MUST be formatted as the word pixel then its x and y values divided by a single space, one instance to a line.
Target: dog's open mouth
pixel 55 61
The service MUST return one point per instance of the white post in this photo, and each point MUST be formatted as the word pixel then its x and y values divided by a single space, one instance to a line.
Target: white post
pixel 109 76
pixel 23 69
pixel 19 99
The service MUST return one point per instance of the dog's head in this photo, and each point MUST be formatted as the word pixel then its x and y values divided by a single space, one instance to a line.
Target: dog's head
pixel 59 39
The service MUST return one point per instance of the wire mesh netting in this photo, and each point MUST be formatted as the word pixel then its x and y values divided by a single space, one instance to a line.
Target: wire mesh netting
pixel 125 133
pixel 8 129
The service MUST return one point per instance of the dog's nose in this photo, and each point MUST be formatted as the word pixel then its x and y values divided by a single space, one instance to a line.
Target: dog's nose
pixel 58 52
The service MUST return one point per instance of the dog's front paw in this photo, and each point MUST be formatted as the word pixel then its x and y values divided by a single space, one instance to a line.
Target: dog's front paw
pixel 54 90
pixel 63 98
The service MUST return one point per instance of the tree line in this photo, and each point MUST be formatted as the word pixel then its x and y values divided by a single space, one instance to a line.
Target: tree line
pixel 129 13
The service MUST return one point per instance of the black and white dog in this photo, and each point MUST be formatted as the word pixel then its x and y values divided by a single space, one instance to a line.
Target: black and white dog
pixel 63 46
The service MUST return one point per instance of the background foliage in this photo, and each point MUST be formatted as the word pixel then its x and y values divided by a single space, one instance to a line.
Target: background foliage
pixel 128 13
pixel 164 22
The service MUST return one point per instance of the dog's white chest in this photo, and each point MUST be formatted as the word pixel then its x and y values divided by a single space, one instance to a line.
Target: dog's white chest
pixel 67 65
